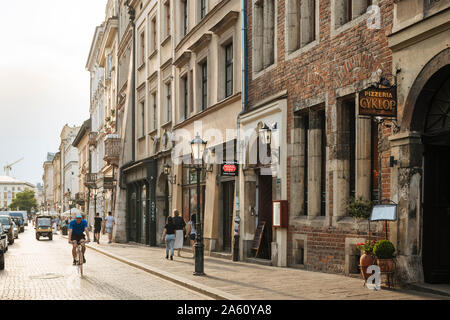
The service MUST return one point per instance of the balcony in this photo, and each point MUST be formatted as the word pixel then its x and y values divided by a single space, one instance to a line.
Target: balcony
pixel 112 149
pixel 90 180
pixel 80 198
pixel 105 182
pixel 93 138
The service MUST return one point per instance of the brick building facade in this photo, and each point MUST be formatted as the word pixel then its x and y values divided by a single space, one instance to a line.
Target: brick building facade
pixel 312 58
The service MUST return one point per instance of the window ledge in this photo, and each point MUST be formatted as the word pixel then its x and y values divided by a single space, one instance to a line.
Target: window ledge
pixel 141 138
pixel 141 66
pixel 166 39
pixel 153 54
pixel 153 132
pixel 262 72
pixel 166 124
pixel 297 52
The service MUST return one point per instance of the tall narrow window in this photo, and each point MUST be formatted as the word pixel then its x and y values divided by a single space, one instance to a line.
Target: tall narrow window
pixel 154 112
pixel 301 16
pixel 204 85
pixel 142 51
pixel 263 34
pixel 169 102
pixel 185 98
pixel 202 8
pixel 142 121
pixel 375 163
pixel 306 155
pixel 323 170
pixel 349 106
pixel 185 17
pixel 167 11
pixel 154 46
pixel 229 70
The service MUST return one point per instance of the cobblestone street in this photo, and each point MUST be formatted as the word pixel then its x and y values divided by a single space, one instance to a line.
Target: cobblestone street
pixel 41 270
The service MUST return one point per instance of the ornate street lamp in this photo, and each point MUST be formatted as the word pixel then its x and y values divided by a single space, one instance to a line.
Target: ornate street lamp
pixel 167 170
pixel 265 134
pixel 198 148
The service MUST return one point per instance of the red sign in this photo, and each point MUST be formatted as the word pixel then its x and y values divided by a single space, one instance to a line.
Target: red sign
pixel 229 169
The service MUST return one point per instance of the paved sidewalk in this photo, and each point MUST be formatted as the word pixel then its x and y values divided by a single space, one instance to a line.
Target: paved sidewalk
pixel 239 280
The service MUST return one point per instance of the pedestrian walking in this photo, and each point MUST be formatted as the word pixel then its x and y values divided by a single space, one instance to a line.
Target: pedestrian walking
pixel 191 232
pixel 169 234
pixel 180 225
pixel 109 225
pixel 97 227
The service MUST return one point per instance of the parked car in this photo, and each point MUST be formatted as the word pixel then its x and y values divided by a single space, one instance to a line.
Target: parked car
pixel 19 223
pixel 15 230
pixel 3 246
pixel 4 240
pixel 19 214
pixel 6 221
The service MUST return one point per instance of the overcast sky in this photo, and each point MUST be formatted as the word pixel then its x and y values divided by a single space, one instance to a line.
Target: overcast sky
pixel 43 80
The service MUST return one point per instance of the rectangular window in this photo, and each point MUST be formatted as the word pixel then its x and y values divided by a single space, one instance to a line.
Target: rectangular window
pixel 154 36
pixel 185 97
pixel 185 17
pixel 350 142
pixel 347 10
pixel 202 8
pixel 142 49
pixel 154 112
pixel 167 11
pixel 169 102
pixel 323 164
pixel 375 163
pixel 264 34
pixel 141 120
pixel 305 172
pixel 301 21
pixel 204 85
pixel 229 70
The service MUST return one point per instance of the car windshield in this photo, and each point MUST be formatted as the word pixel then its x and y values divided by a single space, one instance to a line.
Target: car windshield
pixel 4 221
pixel 44 222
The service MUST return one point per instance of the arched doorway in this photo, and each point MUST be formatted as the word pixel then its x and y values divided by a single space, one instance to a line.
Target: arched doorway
pixel 432 118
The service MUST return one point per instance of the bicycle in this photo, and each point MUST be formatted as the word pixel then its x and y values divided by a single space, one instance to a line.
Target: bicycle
pixel 79 259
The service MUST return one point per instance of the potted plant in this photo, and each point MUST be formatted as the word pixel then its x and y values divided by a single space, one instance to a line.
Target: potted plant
pixel 367 258
pixel 359 208
pixel 384 251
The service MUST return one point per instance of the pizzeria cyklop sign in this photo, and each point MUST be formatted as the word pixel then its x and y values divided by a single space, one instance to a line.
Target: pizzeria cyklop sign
pixel 378 102
pixel 230 169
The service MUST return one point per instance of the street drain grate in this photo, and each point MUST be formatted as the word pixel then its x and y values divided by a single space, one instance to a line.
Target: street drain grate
pixel 46 276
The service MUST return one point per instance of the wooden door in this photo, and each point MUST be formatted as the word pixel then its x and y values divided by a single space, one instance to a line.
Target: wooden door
pixel 227 209
pixel 265 213
pixel 436 216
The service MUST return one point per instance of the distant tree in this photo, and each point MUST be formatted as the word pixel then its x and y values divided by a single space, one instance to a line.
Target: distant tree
pixel 24 201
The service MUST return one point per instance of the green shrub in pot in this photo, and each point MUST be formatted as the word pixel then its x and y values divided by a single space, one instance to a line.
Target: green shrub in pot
pixel 384 249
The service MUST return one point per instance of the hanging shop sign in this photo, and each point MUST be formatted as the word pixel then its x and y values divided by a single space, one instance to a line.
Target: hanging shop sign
pixel 230 169
pixel 379 102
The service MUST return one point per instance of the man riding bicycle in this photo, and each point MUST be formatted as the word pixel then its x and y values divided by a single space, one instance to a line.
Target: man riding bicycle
pixel 77 228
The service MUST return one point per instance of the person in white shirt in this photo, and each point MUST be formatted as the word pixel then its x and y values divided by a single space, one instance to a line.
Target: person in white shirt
pixel 109 225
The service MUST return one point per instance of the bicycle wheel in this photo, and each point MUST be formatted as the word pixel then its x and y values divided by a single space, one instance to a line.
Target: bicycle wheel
pixel 80 260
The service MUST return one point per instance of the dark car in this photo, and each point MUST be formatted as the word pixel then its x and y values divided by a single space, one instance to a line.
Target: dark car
pixel 6 221
pixel 3 246
pixel 17 215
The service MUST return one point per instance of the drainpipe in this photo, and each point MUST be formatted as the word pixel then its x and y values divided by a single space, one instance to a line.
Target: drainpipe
pixel 237 219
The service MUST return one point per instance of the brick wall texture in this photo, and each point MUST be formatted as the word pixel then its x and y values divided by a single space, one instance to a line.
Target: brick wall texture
pixel 340 61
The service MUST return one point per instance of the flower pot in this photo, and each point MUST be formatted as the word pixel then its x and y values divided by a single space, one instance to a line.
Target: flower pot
pixel 386 265
pixel 366 260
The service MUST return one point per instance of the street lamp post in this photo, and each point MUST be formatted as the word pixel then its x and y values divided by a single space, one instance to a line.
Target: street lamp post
pixel 198 148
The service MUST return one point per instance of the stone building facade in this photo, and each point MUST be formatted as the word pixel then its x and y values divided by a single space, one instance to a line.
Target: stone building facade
pixel 420 180
pixel 307 63
pixel 47 179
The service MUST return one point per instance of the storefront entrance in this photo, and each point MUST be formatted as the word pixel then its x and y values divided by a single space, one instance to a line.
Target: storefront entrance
pixel 436 216
pixel 265 214
pixel 227 214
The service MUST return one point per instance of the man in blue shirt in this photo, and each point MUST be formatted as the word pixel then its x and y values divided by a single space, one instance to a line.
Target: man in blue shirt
pixel 77 228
